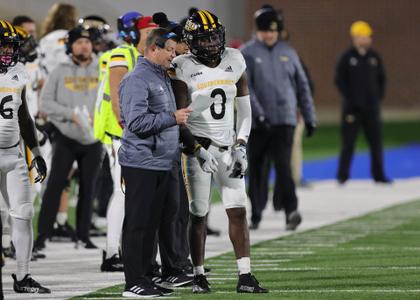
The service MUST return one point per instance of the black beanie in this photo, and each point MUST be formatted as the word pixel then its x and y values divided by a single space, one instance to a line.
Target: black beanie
pixel 161 19
pixel 267 19
pixel 77 33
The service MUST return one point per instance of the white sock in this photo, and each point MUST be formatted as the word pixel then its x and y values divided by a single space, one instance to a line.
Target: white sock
pixel 61 218
pixel 244 265
pixel 22 237
pixel 199 270
pixel 115 218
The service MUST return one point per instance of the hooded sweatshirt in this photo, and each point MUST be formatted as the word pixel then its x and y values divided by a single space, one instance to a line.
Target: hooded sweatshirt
pixel 67 87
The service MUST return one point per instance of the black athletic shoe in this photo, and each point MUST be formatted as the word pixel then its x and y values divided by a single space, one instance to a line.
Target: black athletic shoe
pixel 254 225
pixel 176 280
pixel 383 180
pixel 112 264
pixel 293 220
pixel 164 291
pixel 247 283
pixel 200 285
pixel 63 233
pixel 37 255
pixel 28 285
pixel 138 291
pixel 39 243
pixel 88 244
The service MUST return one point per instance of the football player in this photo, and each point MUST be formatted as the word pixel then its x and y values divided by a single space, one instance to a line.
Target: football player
pixel 15 185
pixel 211 81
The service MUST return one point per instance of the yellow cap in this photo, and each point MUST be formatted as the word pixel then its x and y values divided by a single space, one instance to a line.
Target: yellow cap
pixel 361 28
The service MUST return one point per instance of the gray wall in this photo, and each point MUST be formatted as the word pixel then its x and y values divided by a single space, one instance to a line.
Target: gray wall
pixel 231 12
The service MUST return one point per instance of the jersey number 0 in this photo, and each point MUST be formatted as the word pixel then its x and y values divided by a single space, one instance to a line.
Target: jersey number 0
pixel 6 113
pixel 222 112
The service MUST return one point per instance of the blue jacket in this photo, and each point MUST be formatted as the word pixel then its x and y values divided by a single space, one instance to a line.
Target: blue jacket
pixel 277 83
pixel 151 136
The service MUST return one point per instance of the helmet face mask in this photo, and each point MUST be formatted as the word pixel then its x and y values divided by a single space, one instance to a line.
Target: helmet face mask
pixel 205 40
pixel 9 46
pixel 9 54
pixel 28 46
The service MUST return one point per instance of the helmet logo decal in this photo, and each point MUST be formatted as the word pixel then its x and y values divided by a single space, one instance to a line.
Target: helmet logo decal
pixel 204 19
pixel 190 26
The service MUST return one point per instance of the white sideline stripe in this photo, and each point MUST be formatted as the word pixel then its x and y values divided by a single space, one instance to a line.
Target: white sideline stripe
pixel 324 268
pixel 252 261
pixel 223 278
pixel 114 298
pixel 336 291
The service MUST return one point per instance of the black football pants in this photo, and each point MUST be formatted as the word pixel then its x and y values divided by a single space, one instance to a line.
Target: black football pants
pixel 371 124
pixel 276 145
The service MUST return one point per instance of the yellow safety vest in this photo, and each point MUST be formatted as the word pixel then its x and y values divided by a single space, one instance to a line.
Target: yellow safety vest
pixel 105 121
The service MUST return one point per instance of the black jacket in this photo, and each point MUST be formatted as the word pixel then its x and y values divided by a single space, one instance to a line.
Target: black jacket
pixel 360 80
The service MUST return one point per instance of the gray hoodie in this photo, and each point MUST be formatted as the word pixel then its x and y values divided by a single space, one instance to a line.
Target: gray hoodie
pixel 69 86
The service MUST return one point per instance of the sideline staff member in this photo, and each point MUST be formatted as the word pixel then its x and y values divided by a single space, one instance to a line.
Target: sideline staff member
pixel 278 86
pixel 149 147
pixel 360 78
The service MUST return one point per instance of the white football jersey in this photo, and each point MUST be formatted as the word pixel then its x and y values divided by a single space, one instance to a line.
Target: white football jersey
pixel 32 88
pixel 11 86
pixel 52 51
pixel 211 92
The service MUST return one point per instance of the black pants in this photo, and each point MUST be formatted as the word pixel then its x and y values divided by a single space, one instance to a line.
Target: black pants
pixel 104 187
pixel 370 122
pixel 181 225
pixel 150 205
pixel 65 152
pixel 276 144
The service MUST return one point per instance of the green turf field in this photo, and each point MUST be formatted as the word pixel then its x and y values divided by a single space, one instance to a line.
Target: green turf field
pixel 376 256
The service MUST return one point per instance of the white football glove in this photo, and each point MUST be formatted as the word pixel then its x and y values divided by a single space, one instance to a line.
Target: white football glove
pixel 207 161
pixel 239 161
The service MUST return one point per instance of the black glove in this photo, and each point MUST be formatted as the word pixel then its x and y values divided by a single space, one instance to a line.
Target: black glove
pixel 263 123
pixel 41 167
pixel 310 129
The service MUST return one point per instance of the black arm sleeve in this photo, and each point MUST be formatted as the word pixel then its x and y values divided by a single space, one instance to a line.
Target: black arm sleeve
pixel 26 125
pixel 186 137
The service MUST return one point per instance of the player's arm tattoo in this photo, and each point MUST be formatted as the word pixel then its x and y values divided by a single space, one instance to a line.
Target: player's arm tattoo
pixel 26 125
pixel 181 97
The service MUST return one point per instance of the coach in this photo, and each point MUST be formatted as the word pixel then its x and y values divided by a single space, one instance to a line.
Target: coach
pixel 149 147
pixel 278 86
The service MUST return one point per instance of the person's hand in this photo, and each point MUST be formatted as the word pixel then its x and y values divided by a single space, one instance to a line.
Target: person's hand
pixel 75 118
pixel 263 123
pixel 41 168
pixel 310 129
pixel 181 115
pixel 239 161
pixel 207 161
